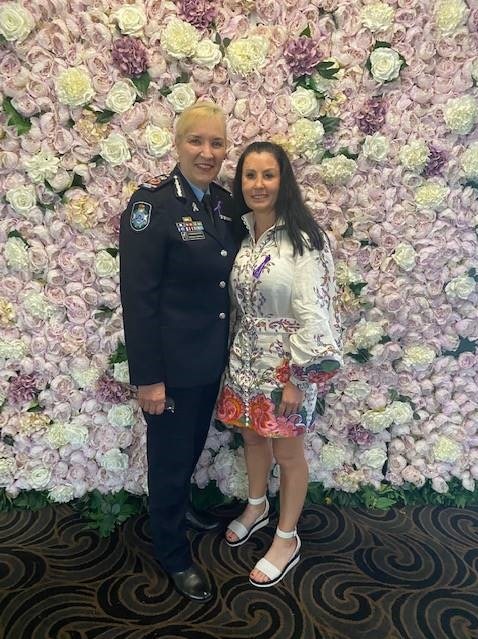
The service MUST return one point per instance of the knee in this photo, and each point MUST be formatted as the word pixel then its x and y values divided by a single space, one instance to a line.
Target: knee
pixel 287 458
pixel 253 439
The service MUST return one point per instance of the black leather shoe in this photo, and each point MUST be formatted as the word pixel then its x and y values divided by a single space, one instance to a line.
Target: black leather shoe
pixel 192 583
pixel 201 521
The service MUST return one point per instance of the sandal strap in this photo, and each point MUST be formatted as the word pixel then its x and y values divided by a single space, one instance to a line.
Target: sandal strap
pixel 256 501
pixel 270 571
pixel 286 535
pixel 239 529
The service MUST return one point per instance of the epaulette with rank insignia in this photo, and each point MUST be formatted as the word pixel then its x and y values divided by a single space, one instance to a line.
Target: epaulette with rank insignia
pixel 155 183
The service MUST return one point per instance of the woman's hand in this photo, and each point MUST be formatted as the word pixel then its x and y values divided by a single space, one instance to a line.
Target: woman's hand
pixel 152 398
pixel 291 401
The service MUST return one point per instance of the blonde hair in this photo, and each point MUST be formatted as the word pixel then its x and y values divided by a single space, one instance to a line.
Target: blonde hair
pixel 201 109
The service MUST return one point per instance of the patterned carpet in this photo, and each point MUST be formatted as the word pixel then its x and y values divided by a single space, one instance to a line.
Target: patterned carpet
pixel 402 574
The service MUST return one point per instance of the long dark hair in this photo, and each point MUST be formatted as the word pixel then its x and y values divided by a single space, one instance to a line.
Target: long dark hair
pixel 290 206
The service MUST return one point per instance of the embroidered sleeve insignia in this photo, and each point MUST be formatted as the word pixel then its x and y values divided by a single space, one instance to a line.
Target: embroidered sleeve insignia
pixel 140 216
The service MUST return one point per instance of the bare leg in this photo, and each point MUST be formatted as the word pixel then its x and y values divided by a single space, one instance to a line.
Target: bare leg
pixel 294 475
pixel 258 454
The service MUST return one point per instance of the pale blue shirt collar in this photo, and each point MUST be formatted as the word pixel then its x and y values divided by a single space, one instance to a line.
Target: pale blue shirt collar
pixel 199 193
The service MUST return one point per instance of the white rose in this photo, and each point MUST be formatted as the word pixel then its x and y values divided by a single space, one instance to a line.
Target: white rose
pixel 418 356
pixel 121 372
pixel 246 55
pixel 450 15
pixel 7 469
pixel 461 114
pixel 61 181
pixel 13 349
pixel 114 460
pixel 41 166
pixel 462 286
pixel 208 54
pixel 16 254
pixel 377 421
pixel 56 435
pixel 306 137
pixel 76 433
pixel 106 265
pixel 377 16
pixel 367 334
pixel 405 256
pixel 357 390
pixel 121 96
pixel 73 87
pixel 402 412
pixel 158 140
pixel 61 494
pixel 180 39
pixel 114 149
pixel 16 22
pixel 345 275
pixel 439 485
pixel 338 169
pixel 182 96
pixel 414 155
pixel 121 416
pixel 469 162
pixel 86 377
pixel 385 64
pixel 39 477
pixel 332 456
pixel 373 458
pixel 376 147
pixel 36 305
pixel 22 198
pixel 304 102
pixel 447 450
pixel 430 195
pixel 131 19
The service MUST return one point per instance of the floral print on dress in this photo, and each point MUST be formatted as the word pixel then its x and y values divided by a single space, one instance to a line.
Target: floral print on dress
pixel 285 329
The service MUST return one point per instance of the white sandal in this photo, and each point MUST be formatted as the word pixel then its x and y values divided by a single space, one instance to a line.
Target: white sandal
pixel 243 533
pixel 271 571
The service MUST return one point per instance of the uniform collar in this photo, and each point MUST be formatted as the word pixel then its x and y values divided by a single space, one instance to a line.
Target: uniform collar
pixel 198 193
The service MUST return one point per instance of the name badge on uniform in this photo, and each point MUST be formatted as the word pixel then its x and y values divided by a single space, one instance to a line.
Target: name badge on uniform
pixel 140 216
pixel 191 230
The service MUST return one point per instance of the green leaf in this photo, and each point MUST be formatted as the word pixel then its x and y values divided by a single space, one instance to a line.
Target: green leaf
pixel 362 356
pixel 97 160
pixel 8 440
pixel 328 366
pixel 328 69
pixel 112 251
pixel 183 78
pixel 15 233
pixel 104 116
pixel 356 287
pixel 472 183
pixel 349 231
pixel 142 82
pixel 103 312
pixel 348 154
pixel 165 91
pixel 276 396
pixel 226 42
pixel 330 124
pixel 236 441
pixel 34 407
pixel 119 355
pixel 22 124
pixel 77 182
pixel 385 339
pixel 31 500
pixel 382 44
pixel 320 406
pixel 465 346
pixel 306 33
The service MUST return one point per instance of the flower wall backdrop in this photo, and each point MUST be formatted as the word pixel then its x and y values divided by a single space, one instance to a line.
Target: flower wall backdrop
pixel 376 103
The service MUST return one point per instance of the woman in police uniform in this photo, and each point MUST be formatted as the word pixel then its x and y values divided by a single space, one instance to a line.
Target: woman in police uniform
pixel 176 252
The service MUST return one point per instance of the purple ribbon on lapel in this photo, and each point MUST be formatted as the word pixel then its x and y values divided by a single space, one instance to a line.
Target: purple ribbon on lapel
pixel 258 270
pixel 218 208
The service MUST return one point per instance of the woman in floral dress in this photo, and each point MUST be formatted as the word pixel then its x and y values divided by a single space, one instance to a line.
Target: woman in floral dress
pixel 285 346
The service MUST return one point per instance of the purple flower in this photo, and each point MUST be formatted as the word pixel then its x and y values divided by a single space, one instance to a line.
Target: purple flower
pixel 129 55
pixel 358 435
pixel 22 389
pixel 436 162
pixel 199 13
pixel 302 55
pixel 371 116
pixel 109 390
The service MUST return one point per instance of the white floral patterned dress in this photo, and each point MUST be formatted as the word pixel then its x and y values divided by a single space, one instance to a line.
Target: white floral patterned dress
pixel 285 328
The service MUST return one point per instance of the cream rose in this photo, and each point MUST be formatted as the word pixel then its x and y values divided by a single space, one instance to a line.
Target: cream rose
pixel 338 169
pixel 36 305
pixel 158 140
pixel 208 54
pixel 106 265
pixel 121 372
pixel 121 416
pixel 16 22
pixel 182 96
pixel 130 18
pixel 469 162
pixel 376 147
pixel 401 412
pixel 7 469
pixel 86 378
pixel 180 39
pixel 61 494
pixel 22 198
pixel 332 456
pixel 306 137
pixel 304 102
pixel 114 460
pixel 377 16
pixel 76 433
pixel 114 149
pixel 357 390
pixel 121 96
pixel 385 64
pixel 41 166
pixel 447 450
pixel 73 87
pixel 13 349
pixel 418 356
pixel 246 55
pixel 430 195
pixel 39 477
pixel 56 435
pixel 16 254
pixel 462 287
pixel 373 458
pixel 367 334
pixel 461 114
pixel 7 316
pixel 414 155
pixel 377 421
pixel 405 256
pixel 450 15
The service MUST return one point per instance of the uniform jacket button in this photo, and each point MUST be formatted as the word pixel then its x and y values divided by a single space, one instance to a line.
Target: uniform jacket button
pixel 224 253
pixel 222 315
pixel 222 284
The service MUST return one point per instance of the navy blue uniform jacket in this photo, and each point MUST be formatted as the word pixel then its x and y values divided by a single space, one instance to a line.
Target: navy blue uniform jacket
pixel 174 271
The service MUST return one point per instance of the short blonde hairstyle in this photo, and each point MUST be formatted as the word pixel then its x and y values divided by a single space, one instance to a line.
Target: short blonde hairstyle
pixel 201 109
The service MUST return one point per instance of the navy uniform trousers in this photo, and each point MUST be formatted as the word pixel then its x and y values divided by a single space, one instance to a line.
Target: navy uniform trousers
pixel 174 269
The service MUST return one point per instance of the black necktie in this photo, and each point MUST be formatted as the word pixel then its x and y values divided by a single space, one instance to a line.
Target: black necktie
pixel 207 202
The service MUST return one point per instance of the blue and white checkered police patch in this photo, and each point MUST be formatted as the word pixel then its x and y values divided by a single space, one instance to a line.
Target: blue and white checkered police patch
pixel 140 216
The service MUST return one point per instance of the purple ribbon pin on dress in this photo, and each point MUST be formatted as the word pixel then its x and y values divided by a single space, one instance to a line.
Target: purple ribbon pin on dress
pixel 258 270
